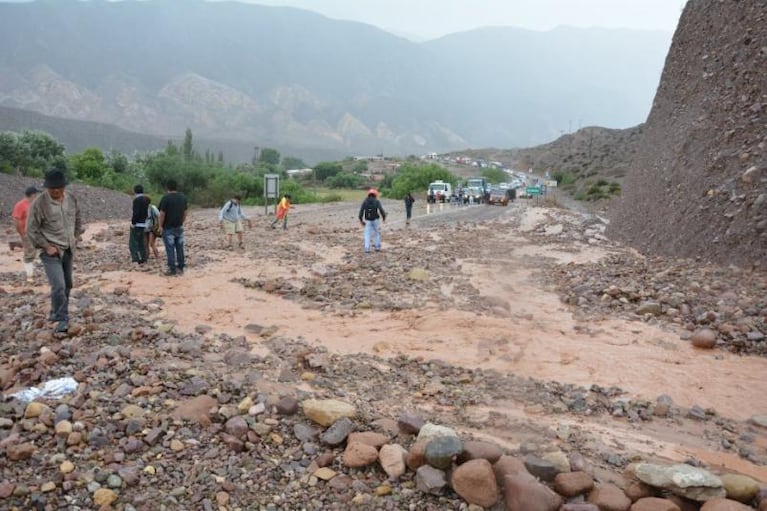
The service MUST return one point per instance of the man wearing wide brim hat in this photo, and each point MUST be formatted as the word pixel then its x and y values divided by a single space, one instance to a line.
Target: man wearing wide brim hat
pixel 53 227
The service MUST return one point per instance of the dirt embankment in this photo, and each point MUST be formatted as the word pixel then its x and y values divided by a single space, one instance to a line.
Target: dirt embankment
pixel 698 187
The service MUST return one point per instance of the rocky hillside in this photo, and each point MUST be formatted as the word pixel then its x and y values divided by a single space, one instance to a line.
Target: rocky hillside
pixel 293 79
pixel 698 186
pixel 97 203
pixel 581 159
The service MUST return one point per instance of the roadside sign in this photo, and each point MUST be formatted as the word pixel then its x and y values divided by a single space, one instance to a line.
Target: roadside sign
pixel 551 183
pixel 533 190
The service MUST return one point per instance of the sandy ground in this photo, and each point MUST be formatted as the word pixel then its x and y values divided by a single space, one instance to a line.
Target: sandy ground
pixel 539 336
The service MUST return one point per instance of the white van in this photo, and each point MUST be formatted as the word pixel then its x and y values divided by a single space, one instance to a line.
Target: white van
pixel 439 191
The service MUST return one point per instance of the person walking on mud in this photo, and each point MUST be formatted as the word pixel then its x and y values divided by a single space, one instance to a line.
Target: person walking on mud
pixel 54 226
pixel 137 240
pixel 153 229
pixel 282 212
pixel 231 217
pixel 173 209
pixel 20 215
pixel 371 211
pixel 409 200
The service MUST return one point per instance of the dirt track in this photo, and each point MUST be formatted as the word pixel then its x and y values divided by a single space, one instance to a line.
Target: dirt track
pixel 467 287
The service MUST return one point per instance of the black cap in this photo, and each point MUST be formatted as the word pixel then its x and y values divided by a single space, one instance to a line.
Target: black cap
pixel 31 190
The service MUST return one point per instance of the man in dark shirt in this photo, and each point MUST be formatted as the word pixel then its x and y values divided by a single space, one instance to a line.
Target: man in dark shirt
pixel 137 241
pixel 370 212
pixel 173 207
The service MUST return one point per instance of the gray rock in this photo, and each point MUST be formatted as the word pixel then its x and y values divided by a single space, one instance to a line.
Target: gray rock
pixel 683 480
pixel 305 433
pixel 430 480
pixel 439 452
pixel 431 431
pixel 758 420
pixel 410 424
pixel 337 433
pixel 663 405
pixel 653 308
pixel 540 468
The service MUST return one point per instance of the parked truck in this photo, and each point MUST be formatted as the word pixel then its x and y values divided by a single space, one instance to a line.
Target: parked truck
pixel 439 191
pixel 477 189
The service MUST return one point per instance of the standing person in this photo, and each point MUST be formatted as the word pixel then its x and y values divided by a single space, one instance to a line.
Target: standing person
pixel 137 241
pixel 231 217
pixel 409 200
pixel 173 208
pixel 20 214
pixel 370 209
pixel 153 230
pixel 282 211
pixel 54 227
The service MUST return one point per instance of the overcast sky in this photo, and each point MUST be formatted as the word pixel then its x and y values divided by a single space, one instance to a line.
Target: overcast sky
pixel 427 19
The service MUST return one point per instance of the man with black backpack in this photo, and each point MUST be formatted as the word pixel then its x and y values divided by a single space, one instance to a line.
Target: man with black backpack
pixel 371 211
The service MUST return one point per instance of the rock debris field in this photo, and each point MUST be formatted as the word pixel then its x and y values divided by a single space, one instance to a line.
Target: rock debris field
pixel 487 358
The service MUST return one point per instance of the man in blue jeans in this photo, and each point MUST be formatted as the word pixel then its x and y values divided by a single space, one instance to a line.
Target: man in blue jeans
pixel 173 207
pixel 53 227
pixel 371 211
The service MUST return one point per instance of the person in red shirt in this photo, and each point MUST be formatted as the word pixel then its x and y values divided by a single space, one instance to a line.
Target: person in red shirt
pixel 20 211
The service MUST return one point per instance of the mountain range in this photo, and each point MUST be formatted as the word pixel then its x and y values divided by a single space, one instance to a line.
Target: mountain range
pixel 301 82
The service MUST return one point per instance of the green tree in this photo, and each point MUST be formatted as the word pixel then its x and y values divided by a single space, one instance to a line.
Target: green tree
pixel 89 166
pixel 187 149
pixel 118 162
pixel 414 178
pixel 269 156
pixel 30 153
pixel 345 180
pixel 326 169
pixel 291 162
pixel 360 166
pixel 494 175
pixel 171 149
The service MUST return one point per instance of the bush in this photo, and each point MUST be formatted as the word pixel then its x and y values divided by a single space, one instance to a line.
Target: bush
pixel 414 178
pixel 345 180
pixel 564 178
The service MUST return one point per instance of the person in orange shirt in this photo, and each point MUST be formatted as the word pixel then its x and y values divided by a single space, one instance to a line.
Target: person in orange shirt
pixel 282 211
pixel 20 212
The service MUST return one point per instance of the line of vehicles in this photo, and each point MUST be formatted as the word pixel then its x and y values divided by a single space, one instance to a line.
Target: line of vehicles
pixel 475 190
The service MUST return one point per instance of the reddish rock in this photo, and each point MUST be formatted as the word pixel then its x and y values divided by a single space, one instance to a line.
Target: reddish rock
pixel 416 456
pixel 6 489
pixel 233 442
pixel 475 450
pixel 703 338
pixel 475 482
pixel 570 484
pixel 609 497
pixel 237 427
pixel 654 504
pixel 369 438
pixel 392 459
pixel 579 507
pixel 684 504
pixel 20 451
pixel 359 455
pixel 509 466
pixel 523 493
pixel 195 409
pixel 636 490
pixel 725 505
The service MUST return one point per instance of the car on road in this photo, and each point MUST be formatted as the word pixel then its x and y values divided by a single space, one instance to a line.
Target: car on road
pixel 498 196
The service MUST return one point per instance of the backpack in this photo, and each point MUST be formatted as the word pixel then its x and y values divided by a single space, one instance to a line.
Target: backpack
pixel 153 221
pixel 371 209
